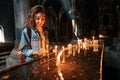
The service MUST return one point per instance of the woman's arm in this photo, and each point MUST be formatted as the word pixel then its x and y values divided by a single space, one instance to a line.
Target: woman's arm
pixel 25 44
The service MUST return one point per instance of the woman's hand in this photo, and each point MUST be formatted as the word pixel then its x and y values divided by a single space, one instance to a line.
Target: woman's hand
pixel 35 52
pixel 42 52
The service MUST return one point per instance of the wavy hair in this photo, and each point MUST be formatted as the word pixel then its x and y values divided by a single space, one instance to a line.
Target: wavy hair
pixel 34 10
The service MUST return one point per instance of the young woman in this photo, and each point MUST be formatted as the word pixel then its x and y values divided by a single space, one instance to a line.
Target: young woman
pixel 34 37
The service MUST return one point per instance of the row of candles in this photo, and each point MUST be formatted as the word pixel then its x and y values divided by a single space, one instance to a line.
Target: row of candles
pixel 81 44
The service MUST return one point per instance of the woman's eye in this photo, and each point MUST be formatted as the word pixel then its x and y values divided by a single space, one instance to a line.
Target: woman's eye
pixel 43 19
pixel 37 18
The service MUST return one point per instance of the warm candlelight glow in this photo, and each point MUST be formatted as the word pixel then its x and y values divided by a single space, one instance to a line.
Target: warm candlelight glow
pixel 100 35
pixel 55 50
pixel 61 77
pixel 84 45
pixel 69 49
pixel 63 59
pixel 73 23
pixel 71 61
pixel 95 45
pixel 58 64
pixel 79 42
pixel 58 58
pixel 47 48
pixel 93 37
pixel 74 51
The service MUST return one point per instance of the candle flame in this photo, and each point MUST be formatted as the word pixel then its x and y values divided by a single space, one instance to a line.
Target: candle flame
pixel 93 37
pixel 101 36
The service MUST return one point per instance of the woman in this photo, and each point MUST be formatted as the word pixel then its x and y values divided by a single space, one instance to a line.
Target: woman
pixel 34 37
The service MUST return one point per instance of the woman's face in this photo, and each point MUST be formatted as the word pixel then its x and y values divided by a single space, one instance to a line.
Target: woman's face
pixel 39 19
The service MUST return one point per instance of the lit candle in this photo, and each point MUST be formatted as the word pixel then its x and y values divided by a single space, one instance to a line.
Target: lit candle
pixel 93 37
pixel 47 48
pixel 95 45
pixel 93 40
pixel 56 47
pixel 95 48
pixel 74 51
pixel 63 61
pixel 84 45
pixel 100 36
pixel 69 49
pixel 79 45
pixel 58 64
pixel 73 24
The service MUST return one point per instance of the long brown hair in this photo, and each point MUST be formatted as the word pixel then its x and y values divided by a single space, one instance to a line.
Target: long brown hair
pixel 34 10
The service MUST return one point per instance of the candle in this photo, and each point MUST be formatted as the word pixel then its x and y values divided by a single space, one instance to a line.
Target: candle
pixel 69 49
pixel 95 45
pixel 73 24
pixel 79 45
pixel 56 47
pixel 100 36
pixel 63 60
pixel 47 48
pixel 74 51
pixel 93 38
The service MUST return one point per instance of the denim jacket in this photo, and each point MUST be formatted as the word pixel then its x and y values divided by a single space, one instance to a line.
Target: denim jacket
pixel 29 45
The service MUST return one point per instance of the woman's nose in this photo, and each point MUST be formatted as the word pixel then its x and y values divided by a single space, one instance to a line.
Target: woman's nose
pixel 40 20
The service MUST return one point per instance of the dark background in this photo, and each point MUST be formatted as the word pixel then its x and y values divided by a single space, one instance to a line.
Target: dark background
pixel 93 17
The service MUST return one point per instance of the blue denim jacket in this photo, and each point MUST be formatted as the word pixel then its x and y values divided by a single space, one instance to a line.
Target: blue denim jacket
pixel 29 45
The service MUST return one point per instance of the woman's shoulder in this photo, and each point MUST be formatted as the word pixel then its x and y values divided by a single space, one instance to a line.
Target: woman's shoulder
pixel 30 30
pixel 24 29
